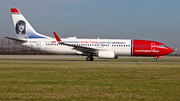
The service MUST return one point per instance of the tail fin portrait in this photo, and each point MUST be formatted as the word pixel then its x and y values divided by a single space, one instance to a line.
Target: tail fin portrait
pixel 22 27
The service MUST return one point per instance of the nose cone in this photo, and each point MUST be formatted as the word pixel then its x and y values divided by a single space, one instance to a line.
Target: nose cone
pixel 169 50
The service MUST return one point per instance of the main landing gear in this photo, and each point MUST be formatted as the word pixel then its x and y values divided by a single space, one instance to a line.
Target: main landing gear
pixel 89 58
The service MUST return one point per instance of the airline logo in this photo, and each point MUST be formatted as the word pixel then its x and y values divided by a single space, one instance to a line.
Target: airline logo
pixel 147 51
pixel 23 29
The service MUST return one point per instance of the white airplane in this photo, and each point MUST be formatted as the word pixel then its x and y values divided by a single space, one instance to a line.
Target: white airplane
pixel 102 48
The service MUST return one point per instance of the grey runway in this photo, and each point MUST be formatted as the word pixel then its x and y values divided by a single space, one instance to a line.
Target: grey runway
pixel 78 61
pixel 65 57
pixel 72 58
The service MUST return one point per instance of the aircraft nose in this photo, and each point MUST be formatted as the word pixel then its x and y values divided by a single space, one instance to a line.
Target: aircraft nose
pixel 169 50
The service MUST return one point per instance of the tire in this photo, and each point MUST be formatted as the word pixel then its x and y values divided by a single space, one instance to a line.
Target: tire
pixel 155 59
pixel 89 58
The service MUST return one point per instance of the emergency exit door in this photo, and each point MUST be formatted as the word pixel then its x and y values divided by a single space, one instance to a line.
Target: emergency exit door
pixel 38 44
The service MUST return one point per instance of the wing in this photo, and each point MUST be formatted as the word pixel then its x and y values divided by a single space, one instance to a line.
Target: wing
pixel 75 47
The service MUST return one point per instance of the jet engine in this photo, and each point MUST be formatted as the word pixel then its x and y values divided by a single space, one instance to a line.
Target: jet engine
pixel 107 55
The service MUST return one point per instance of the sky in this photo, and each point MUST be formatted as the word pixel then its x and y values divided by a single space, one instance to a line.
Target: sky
pixel 157 20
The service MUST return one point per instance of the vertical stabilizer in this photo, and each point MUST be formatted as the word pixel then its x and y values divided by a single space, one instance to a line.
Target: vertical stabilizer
pixel 22 27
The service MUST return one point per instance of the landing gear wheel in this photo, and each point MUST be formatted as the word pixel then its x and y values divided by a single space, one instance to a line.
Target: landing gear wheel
pixel 89 58
pixel 155 59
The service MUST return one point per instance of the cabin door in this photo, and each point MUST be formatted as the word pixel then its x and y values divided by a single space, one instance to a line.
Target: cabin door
pixel 152 46
pixel 38 44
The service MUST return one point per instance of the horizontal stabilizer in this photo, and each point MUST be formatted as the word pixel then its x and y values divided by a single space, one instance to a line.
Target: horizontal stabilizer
pixel 14 39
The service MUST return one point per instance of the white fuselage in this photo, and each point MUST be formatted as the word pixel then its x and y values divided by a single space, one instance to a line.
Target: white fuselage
pixel 119 46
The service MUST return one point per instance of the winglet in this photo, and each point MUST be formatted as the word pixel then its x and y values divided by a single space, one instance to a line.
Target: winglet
pixel 57 38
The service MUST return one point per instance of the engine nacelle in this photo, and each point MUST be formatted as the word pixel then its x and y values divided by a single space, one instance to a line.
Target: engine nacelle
pixel 107 55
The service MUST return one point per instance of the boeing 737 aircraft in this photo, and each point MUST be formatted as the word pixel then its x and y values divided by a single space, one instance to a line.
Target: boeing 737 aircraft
pixel 102 48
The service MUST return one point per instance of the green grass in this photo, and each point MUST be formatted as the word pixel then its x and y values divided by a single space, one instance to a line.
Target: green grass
pixel 89 81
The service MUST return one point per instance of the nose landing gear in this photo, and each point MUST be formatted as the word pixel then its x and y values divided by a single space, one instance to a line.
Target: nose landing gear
pixel 89 58
pixel 155 59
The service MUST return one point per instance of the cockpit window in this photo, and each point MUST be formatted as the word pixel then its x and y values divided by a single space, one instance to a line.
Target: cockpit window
pixel 162 45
